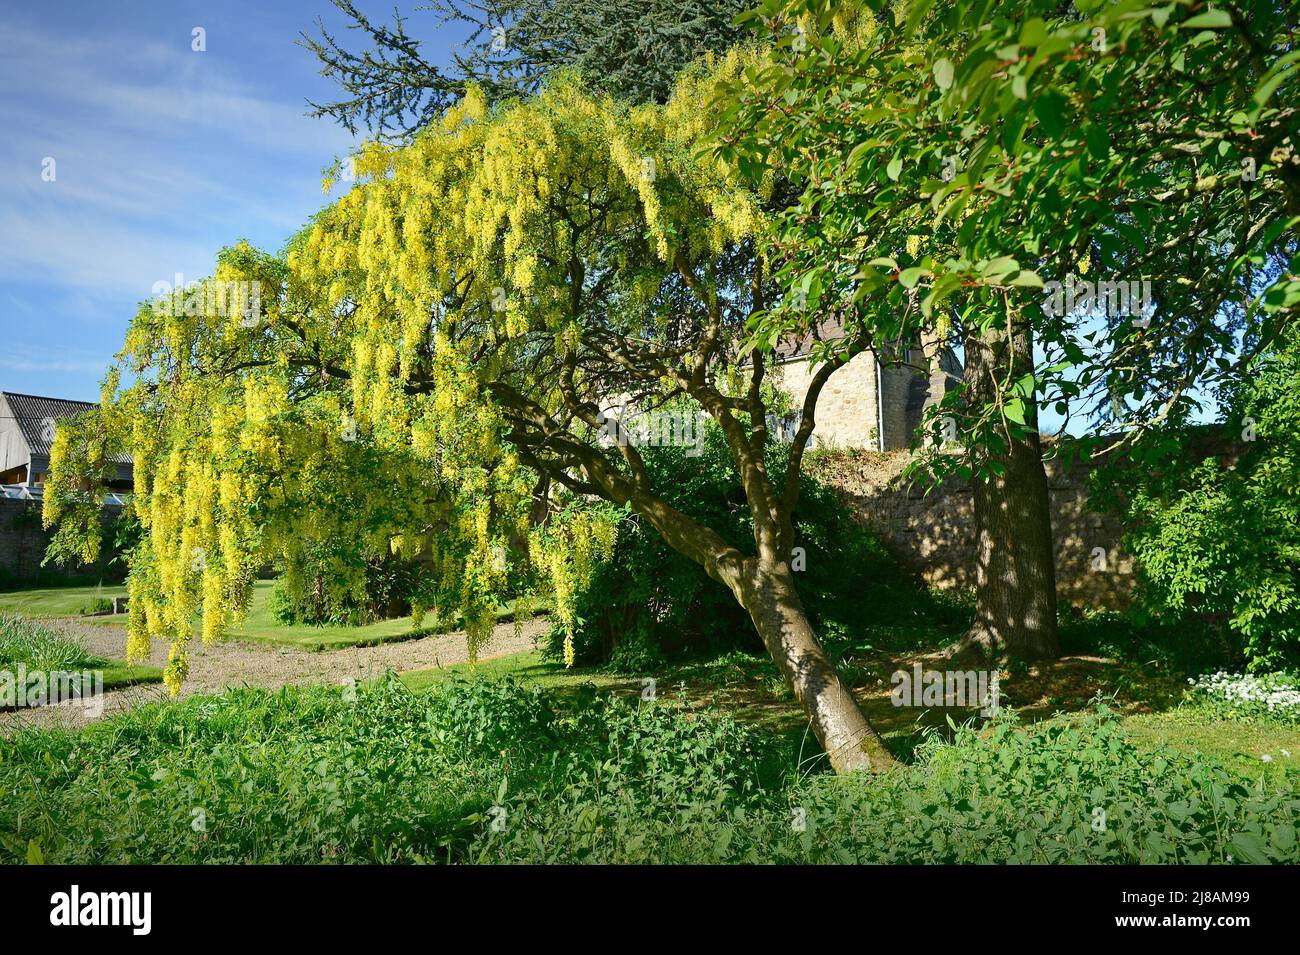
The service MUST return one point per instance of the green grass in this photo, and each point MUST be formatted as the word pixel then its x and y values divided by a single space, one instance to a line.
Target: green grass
pixel 260 626
pixel 313 774
pixel 1239 746
pixel 118 675
pixel 57 601
pixel 28 644
pixel 527 667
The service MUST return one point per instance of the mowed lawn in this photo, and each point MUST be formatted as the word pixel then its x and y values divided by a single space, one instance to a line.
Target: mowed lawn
pixel 259 626
pixel 527 667
pixel 57 601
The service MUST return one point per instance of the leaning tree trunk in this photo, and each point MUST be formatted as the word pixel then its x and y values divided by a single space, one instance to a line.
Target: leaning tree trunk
pixel 774 605
pixel 1015 572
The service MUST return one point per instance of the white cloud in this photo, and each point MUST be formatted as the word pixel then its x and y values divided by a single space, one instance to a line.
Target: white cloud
pixel 162 158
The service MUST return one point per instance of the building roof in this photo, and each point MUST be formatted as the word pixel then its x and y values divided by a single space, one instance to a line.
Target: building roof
pixel 796 346
pixel 33 411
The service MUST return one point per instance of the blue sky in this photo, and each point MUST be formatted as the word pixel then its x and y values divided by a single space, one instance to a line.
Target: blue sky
pixel 162 156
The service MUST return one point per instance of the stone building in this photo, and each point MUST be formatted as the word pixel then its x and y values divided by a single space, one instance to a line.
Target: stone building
pixel 870 403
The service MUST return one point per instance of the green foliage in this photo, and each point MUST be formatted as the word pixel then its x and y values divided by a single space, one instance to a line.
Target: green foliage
pixel 98 605
pixel 648 605
pixel 492 772
pixel 392 588
pixel 952 159
pixel 1221 540
pixel 38 648
pixel 1067 793
pixel 307 775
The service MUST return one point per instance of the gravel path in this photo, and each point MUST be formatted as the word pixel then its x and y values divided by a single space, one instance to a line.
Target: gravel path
pixel 222 665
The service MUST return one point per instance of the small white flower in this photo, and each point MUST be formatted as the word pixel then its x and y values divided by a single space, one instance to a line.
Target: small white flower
pixel 1267 758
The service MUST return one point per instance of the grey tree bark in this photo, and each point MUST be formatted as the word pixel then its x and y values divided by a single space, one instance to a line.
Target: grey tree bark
pixel 1015 611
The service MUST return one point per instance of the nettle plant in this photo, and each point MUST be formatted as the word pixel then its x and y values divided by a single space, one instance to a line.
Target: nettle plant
pixel 434 362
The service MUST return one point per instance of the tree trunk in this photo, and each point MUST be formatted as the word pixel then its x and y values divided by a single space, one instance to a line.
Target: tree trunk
pixel 1015 571
pixel 778 614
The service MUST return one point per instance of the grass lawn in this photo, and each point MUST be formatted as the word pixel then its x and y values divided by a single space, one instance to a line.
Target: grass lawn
pixel 259 626
pixel 30 646
pixel 527 667
pixel 1239 746
pixel 57 601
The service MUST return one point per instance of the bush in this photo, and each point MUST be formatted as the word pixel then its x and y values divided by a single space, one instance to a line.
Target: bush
pixel 390 588
pixel 1220 541
pixel 97 606
pixel 1064 793
pixel 648 605
pixel 38 648
pixel 308 774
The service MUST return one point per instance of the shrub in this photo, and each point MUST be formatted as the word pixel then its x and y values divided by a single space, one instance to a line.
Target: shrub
pixel 1067 792
pixel 1220 541
pixel 97 606
pixel 307 774
pixel 647 604
pixel 37 647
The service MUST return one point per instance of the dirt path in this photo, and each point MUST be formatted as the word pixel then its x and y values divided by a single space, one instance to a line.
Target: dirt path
pixel 222 665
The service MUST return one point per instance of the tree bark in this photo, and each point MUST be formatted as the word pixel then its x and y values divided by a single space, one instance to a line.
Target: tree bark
pixel 773 603
pixel 1015 570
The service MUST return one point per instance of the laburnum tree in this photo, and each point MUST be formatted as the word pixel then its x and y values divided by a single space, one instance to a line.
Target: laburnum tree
pixel 962 155
pixel 445 344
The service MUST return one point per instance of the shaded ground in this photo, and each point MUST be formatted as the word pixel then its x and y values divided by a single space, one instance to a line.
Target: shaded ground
pixel 221 665
pixel 1147 698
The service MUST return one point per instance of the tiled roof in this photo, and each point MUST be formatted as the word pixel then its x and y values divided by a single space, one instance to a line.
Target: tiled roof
pixel 33 411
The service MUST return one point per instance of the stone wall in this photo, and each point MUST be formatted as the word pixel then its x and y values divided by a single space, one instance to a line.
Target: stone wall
pixel 850 412
pixel 846 410
pixel 23 542
pixel 934 533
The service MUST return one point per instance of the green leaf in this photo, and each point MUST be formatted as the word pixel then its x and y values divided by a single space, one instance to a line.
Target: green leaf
pixel 1033 32
pixel 894 168
pixel 1249 846
pixel 909 277
pixel 1027 279
pixel 1209 20
pixel 1015 410
pixel 943 71
pixel 34 854
pixel 1098 140
pixel 1050 110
